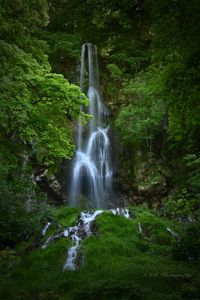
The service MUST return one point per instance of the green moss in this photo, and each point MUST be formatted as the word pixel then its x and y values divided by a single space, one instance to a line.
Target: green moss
pixel 66 216
pixel 119 263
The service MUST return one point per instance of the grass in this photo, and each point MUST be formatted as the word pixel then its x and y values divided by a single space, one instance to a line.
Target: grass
pixel 119 262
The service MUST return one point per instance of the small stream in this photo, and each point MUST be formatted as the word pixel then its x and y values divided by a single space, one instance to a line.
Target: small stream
pixel 78 233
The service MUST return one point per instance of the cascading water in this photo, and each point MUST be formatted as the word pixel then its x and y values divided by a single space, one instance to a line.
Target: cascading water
pixel 92 167
pixel 78 233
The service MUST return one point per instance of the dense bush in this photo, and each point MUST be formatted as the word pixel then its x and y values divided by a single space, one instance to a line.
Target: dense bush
pixel 187 247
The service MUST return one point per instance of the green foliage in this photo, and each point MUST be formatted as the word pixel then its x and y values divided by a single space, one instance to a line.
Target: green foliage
pixel 105 17
pixel 182 205
pixel 192 162
pixel 64 52
pixel 116 73
pixel 159 105
pixel 110 290
pixel 188 245
pixel 182 94
pixel 20 15
pixel 15 224
pixel 175 46
pixel 141 120
pixel 8 260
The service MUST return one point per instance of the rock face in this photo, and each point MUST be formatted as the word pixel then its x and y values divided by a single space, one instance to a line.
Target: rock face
pixel 51 186
pixel 141 179
pixel 151 181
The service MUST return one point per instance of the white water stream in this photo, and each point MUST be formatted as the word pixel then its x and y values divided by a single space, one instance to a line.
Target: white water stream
pixel 79 232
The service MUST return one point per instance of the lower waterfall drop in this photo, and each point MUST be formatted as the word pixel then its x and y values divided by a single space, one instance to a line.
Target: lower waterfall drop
pixel 92 167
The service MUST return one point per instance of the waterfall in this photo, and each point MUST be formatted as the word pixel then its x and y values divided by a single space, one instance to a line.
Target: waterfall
pixel 92 168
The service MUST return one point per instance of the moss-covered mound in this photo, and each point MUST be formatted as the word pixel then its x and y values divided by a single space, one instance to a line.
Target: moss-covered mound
pixel 123 259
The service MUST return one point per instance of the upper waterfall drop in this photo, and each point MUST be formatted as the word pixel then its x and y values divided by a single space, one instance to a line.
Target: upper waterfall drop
pixel 92 166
